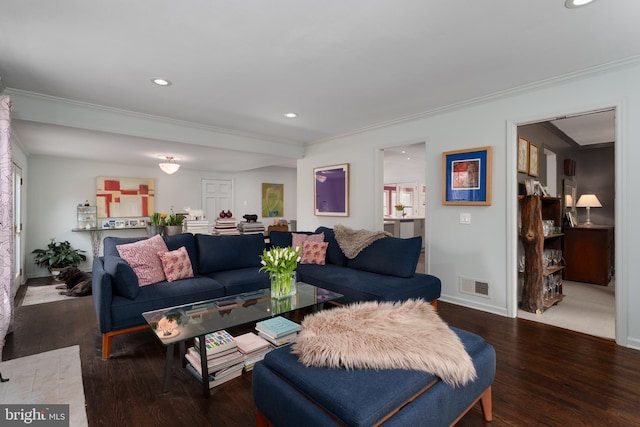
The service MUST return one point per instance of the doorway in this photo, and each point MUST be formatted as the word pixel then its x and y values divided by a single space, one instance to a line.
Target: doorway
pixel 584 149
pixel 217 195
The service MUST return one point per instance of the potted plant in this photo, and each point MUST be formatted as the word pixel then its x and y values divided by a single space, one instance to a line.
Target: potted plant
pixel 57 256
pixel 281 264
pixel 173 224
pixel 156 224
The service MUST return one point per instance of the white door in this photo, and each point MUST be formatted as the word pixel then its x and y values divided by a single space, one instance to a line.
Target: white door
pixel 217 195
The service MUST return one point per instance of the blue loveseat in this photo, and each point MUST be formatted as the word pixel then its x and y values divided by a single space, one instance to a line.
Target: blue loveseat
pixel 228 265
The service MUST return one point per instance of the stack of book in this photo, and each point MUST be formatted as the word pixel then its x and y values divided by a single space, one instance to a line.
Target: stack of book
pixel 226 226
pixel 253 347
pixel 197 227
pixel 278 330
pixel 224 361
pixel 254 227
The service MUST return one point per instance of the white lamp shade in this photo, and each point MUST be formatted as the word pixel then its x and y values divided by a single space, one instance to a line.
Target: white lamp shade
pixel 170 166
pixel 588 201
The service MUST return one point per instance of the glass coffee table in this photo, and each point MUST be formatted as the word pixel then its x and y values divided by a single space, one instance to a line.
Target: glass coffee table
pixel 175 325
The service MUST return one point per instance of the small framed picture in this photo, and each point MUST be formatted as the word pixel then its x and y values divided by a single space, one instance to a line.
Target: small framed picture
pixel 533 159
pixel 119 223
pixel 523 155
pixel 133 223
pixel 105 223
pixel 571 219
pixel 142 222
pixel 528 185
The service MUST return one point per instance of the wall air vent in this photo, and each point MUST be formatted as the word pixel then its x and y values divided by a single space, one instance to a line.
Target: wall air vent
pixel 474 287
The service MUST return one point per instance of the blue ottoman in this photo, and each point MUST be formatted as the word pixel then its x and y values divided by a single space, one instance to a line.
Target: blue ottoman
pixel 287 393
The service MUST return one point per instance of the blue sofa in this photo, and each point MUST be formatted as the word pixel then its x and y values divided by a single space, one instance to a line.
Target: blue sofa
pixel 383 271
pixel 228 265
pixel 287 393
pixel 222 265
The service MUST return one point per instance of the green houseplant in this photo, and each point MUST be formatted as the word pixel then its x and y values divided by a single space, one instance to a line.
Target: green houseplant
pixel 58 255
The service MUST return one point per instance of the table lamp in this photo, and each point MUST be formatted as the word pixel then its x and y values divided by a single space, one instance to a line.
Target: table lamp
pixel 588 201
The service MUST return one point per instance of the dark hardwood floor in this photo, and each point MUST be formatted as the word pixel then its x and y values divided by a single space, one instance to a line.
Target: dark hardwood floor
pixel 545 376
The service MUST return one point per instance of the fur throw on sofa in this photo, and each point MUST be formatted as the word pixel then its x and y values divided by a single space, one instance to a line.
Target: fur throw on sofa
pixel 353 241
pixel 385 335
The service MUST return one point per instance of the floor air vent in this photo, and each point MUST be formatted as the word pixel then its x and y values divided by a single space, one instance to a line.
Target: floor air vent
pixel 475 287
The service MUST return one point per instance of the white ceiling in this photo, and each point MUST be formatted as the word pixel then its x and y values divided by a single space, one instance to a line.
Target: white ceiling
pixel 239 66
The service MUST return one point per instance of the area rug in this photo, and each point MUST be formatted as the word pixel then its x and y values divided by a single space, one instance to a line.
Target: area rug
pixel 52 377
pixel 586 308
pixel 43 294
pixel 386 335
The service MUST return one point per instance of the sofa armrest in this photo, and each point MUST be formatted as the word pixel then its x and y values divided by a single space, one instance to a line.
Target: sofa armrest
pixel 102 291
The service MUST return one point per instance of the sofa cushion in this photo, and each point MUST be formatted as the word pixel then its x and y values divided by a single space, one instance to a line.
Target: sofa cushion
pixel 176 264
pixel 298 239
pixel 162 295
pixel 358 285
pixel 143 257
pixel 187 240
pixel 124 279
pixel 314 252
pixel 221 253
pixel 391 256
pixel 334 253
pixel 110 244
pixel 242 280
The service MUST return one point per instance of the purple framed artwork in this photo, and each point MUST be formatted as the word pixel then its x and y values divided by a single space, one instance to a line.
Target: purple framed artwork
pixel 331 190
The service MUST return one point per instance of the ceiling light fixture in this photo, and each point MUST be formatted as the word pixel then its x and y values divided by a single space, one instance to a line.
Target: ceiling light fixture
pixel 572 4
pixel 169 166
pixel 161 82
pixel 291 115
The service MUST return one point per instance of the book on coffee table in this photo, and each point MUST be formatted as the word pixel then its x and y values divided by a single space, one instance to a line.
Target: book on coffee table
pixel 277 327
pixel 216 342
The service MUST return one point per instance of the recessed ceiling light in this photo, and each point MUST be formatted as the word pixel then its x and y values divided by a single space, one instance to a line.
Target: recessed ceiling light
pixel 572 4
pixel 161 82
pixel 291 115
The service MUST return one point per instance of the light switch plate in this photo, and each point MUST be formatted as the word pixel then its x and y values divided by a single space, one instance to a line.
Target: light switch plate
pixel 465 218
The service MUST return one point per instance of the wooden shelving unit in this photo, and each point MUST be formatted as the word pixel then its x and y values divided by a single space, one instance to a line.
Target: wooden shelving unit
pixel 535 210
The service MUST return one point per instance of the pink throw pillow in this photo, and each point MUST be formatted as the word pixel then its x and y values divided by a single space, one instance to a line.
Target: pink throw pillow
pixel 176 264
pixel 298 239
pixel 143 258
pixel 314 252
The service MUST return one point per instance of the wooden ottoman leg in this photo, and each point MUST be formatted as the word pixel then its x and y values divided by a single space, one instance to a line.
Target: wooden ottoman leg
pixel 486 405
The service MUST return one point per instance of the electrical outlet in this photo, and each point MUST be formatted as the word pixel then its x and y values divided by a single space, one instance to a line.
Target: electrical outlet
pixel 465 218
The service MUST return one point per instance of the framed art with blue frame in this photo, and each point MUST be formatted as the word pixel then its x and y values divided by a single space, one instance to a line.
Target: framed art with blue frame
pixel 466 177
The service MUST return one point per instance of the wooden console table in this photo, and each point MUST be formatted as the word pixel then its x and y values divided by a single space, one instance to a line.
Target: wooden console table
pixel 589 254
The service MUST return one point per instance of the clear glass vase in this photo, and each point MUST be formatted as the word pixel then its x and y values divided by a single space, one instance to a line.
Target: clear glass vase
pixel 283 285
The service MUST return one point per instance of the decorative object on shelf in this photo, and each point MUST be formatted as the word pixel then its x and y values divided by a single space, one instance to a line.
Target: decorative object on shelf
pixel 466 177
pixel 155 224
pixel 169 166
pixel 57 256
pixel 331 190
pixel 523 155
pixel 281 264
pixel 227 214
pixel 400 210
pixel 173 224
pixel 588 201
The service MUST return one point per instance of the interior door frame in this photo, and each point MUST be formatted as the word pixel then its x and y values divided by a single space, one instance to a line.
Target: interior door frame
pixel 621 189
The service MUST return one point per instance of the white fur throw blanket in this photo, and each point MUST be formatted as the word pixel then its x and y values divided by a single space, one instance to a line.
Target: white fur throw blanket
pixel 353 241
pixel 386 335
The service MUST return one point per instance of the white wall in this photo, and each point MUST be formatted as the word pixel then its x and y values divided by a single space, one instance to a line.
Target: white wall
pixel 56 186
pixel 486 249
